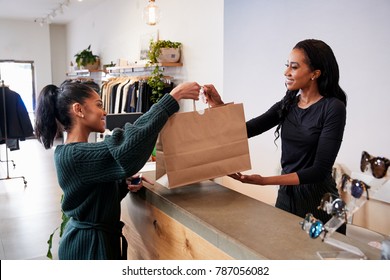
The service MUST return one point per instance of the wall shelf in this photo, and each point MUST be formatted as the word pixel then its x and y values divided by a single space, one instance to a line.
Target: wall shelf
pixel 136 67
pixel 100 74
pixel 84 73
pixel 140 67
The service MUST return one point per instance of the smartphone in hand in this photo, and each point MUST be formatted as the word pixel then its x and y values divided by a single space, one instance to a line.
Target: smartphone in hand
pixel 137 181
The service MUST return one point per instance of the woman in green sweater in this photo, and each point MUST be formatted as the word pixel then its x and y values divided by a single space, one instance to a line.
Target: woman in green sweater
pixel 93 176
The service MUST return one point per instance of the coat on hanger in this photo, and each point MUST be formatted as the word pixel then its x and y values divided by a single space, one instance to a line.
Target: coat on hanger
pixel 17 119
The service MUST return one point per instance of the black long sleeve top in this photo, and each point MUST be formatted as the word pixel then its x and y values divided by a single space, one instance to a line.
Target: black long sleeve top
pixel 311 137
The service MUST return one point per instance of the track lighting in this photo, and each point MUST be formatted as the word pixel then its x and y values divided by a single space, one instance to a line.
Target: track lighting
pixel 49 17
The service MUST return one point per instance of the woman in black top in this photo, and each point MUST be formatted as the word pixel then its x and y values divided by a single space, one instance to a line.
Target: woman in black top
pixel 310 120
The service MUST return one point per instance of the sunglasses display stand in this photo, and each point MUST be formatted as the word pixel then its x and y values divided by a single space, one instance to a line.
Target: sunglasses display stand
pixel 315 228
pixel 341 212
pixel 348 252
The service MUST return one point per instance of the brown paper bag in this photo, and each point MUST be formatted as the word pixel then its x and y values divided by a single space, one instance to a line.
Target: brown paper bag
pixel 201 145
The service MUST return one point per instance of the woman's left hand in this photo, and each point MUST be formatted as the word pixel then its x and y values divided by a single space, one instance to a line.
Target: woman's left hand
pixel 135 187
pixel 249 179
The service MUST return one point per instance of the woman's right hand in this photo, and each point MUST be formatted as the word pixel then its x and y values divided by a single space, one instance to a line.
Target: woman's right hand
pixel 212 96
pixel 188 90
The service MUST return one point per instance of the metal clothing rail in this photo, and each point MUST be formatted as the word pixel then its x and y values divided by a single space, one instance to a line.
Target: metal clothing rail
pixel 6 138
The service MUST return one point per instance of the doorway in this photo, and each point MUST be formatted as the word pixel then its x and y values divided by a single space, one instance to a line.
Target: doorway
pixel 19 76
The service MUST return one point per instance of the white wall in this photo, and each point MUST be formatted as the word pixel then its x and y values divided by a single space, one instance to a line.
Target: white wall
pixel 258 38
pixel 58 44
pixel 25 40
pixel 114 29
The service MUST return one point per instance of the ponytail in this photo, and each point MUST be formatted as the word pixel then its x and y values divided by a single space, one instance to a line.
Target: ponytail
pixel 46 127
pixel 53 109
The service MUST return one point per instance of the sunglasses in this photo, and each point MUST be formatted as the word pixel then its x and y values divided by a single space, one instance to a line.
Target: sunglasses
pixel 313 226
pixel 316 229
pixel 379 165
pixel 333 205
pixel 354 186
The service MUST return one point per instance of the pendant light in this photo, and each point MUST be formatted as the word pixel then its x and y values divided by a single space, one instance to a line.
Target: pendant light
pixel 151 13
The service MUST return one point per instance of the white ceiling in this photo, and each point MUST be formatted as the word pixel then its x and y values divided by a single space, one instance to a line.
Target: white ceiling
pixel 37 9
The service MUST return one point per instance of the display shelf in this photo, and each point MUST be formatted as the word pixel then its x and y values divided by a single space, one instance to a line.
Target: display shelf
pixel 84 72
pixel 131 68
pixel 140 67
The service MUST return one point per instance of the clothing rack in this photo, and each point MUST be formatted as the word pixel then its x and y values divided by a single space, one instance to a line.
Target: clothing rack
pixel 6 138
pixel 129 94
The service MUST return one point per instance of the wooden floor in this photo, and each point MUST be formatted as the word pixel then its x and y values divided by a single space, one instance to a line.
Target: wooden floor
pixel 28 215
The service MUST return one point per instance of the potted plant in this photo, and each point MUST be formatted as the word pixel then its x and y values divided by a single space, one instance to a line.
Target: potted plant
pixel 161 51
pixel 86 59
pixel 164 51
pixel 64 221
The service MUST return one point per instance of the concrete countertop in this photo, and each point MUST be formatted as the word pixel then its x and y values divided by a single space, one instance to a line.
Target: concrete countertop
pixel 241 226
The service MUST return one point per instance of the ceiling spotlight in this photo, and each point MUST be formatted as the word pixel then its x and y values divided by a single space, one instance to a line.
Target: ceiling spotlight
pixel 151 14
pixel 41 21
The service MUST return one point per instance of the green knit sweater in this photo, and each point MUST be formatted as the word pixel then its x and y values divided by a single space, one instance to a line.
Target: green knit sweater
pixel 93 179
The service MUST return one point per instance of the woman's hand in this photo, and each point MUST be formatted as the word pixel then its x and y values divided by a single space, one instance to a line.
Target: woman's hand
pixel 188 90
pixel 135 182
pixel 249 179
pixel 290 179
pixel 212 96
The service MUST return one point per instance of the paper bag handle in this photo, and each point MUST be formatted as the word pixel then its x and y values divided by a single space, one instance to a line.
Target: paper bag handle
pixel 194 106
pixel 201 97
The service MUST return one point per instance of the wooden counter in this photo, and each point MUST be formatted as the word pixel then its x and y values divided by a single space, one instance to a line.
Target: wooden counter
pixel 208 221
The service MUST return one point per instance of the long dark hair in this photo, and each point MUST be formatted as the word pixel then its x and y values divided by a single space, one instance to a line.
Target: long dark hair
pixel 53 109
pixel 319 56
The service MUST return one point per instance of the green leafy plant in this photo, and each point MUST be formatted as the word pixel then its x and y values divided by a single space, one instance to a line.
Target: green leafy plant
pixel 85 57
pixel 156 80
pixel 155 49
pixel 65 220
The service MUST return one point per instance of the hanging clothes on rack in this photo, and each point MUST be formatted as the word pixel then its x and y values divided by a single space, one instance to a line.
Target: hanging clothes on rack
pixel 17 121
pixel 20 108
pixel 129 94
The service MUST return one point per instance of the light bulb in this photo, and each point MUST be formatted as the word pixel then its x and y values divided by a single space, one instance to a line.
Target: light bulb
pixel 151 13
